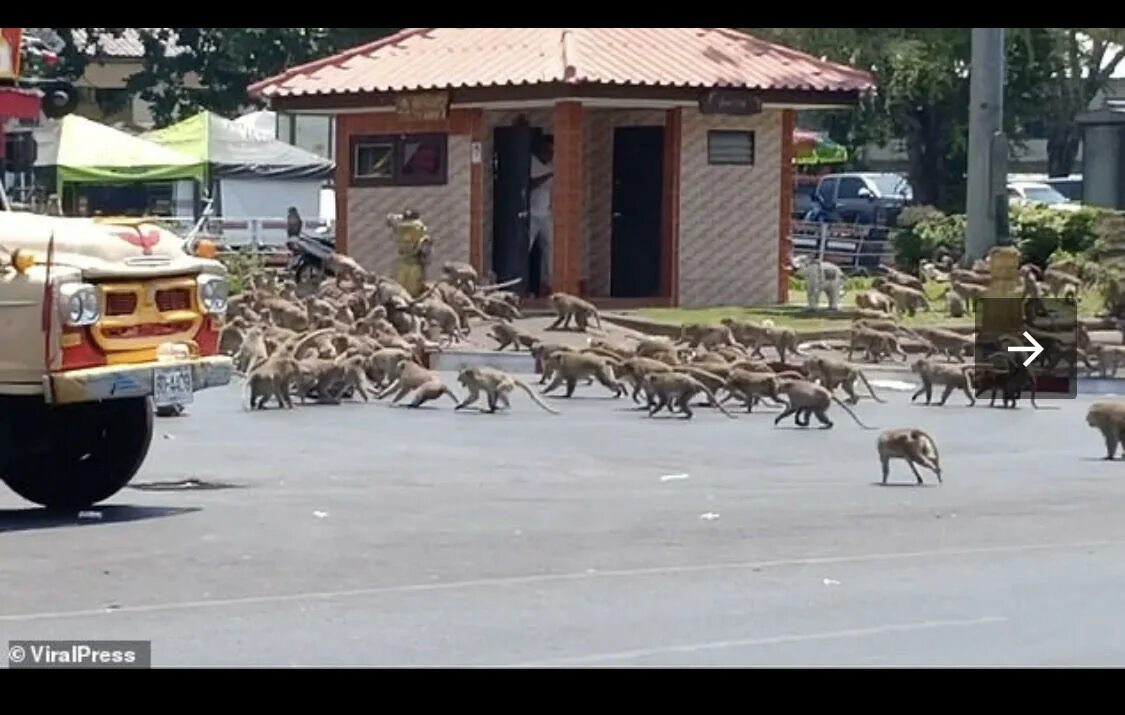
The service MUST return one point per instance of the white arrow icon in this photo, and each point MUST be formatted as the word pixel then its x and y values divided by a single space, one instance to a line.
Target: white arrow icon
pixel 1033 350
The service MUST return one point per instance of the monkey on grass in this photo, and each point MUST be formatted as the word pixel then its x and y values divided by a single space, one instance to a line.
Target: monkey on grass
pixel 912 445
pixel 496 385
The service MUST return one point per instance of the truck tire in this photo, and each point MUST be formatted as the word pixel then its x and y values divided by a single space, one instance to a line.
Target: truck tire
pixel 73 456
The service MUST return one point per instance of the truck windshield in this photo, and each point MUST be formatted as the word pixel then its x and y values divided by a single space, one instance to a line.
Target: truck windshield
pixel 892 185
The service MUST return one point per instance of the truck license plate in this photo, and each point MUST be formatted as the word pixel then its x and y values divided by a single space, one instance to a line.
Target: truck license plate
pixel 172 386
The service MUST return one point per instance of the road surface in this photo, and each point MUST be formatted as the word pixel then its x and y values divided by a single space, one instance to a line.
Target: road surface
pixel 372 535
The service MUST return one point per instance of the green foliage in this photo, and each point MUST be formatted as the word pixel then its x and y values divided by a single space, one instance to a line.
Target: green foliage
pixel 224 61
pixel 1041 232
pixel 925 234
pixel 241 267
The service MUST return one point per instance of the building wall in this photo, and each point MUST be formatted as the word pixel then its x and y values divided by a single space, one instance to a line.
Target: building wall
pixel 729 215
pixel 446 210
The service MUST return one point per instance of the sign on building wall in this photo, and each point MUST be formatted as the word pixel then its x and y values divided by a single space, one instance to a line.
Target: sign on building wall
pixel 10 38
pixel 735 102
pixel 423 106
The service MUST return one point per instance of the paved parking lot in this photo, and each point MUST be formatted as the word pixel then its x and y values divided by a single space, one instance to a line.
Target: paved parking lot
pixel 370 535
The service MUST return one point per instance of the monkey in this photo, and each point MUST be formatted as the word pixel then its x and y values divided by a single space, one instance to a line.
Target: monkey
pixel 951 344
pixel 462 275
pixel 541 351
pixel 948 377
pixel 970 293
pixel 749 386
pixel 507 334
pixel 569 306
pixel 808 398
pixel 272 376
pixel 1006 375
pixel 345 267
pixel 1108 417
pixel 709 336
pixel 874 301
pixel 902 279
pixel 964 276
pixel 496 307
pixel 652 347
pixel 1109 358
pixel 874 343
pixel 496 384
pixel 906 300
pixel 783 340
pixel 669 389
pixel 1057 279
pixel 634 370
pixel 912 445
pixel 426 384
pixel 955 304
pixel 569 367
pixel 442 315
pixel 833 373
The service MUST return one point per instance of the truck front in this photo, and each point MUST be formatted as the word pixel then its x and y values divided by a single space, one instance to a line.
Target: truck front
pixel 101 321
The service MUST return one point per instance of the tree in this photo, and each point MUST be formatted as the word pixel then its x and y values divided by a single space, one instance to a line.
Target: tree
pixel 1082 60
pixel 186 69
pixel 922 78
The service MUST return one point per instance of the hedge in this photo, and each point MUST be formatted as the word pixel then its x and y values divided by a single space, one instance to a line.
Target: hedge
pixel 924 233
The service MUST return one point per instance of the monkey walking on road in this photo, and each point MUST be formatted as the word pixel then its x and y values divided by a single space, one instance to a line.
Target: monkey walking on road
pixel 672 389
pixel 496 384
pixel 1108 417
pixel 909 444
pixel 425 384
pixel 807 399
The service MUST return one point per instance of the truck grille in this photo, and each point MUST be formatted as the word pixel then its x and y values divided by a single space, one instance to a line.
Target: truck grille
pixel 173 299
pixel 120 303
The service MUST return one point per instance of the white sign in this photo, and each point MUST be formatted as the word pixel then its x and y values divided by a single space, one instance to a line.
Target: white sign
pixel 475 153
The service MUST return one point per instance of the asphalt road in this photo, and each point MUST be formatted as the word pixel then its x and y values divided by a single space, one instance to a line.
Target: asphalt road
pixel 371 535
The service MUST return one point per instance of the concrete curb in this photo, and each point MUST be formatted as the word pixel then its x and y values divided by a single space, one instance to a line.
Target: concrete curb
pixel 454 360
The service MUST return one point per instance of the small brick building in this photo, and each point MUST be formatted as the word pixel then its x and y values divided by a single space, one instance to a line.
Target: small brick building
pixel 672 152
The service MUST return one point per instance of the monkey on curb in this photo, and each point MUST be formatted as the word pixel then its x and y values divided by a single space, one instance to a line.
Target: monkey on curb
pixel 570 306
pixel 912 445
pixel 496 384
pixel 1108 417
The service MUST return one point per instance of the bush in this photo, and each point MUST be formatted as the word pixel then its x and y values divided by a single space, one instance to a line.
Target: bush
pixel 241 266
pixel 1040 232
pixel 923 233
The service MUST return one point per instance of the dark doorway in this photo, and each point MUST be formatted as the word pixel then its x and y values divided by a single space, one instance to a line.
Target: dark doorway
pixel 638 208
pixel 511 172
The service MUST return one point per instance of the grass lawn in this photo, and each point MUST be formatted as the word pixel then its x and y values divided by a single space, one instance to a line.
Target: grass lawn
pixel 796 315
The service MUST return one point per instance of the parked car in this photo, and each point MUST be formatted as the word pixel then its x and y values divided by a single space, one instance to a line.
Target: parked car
pixel 862 197
pixel 1068 186
pixel 1030 193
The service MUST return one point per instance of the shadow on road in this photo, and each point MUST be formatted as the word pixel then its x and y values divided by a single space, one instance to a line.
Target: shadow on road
pixel 38 518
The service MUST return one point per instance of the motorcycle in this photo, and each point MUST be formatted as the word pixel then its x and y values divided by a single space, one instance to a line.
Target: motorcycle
pixel 308 261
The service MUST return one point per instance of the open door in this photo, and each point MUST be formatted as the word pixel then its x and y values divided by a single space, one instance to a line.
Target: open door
pixel 638 208
pixel 511 174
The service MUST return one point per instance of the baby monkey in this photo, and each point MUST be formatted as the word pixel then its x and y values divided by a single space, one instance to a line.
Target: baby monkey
pixel 912 445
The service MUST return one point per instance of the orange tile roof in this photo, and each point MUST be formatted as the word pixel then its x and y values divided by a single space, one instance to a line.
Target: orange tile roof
pixel 448 58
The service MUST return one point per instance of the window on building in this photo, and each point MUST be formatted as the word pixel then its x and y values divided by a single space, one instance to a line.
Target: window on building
pixel 730 147
pixel 406 160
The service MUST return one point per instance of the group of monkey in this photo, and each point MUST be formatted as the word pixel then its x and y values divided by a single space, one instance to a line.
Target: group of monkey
pixel 364 334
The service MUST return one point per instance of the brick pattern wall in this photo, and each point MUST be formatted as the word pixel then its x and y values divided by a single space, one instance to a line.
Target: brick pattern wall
pixel 729 215
pixel 444 209
pixel 597 242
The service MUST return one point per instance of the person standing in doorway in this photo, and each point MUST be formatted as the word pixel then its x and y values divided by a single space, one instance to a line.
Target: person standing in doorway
pixel 539 245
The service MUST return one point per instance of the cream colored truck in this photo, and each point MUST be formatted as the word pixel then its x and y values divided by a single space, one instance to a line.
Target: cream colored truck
pixel 100 323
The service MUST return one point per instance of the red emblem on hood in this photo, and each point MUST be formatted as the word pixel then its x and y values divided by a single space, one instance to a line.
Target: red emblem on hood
pixel 144 241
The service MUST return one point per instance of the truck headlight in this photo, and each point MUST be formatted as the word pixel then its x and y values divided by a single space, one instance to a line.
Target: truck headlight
pixel 79 304
pixel 213 293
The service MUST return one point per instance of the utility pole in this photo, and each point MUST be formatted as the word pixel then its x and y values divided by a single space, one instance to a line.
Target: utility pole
pixel 987 200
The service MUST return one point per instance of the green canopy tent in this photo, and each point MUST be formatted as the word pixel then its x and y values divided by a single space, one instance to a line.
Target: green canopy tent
pixel 83 151
pixel 812 149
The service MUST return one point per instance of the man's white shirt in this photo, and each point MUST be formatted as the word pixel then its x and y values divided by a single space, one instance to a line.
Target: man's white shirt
pixel 541 195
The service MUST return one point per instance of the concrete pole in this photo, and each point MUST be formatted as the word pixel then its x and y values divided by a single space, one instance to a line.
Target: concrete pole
pixel 987 202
